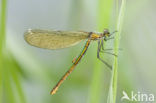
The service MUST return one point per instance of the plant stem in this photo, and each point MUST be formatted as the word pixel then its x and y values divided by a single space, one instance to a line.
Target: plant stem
pixel 113 83
pixel 2 41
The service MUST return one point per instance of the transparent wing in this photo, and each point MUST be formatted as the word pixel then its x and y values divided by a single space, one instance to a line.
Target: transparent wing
pixel 54 39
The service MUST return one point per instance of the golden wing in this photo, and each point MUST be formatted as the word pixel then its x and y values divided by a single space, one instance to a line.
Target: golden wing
pixel 54 39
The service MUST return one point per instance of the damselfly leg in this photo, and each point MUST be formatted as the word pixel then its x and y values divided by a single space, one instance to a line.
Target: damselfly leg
pixel 98 54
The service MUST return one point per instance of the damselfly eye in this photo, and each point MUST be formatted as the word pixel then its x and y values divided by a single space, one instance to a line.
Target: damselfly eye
pixel 106 32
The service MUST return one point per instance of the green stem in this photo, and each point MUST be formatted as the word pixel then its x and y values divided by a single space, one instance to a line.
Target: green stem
pixel 2 23
pixel 2 40
pixel 113 84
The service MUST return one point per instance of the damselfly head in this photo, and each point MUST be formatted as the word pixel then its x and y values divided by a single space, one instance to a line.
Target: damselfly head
pixel 106 33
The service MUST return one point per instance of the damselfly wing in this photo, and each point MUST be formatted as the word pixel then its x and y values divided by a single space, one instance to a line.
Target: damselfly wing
pixel 54 39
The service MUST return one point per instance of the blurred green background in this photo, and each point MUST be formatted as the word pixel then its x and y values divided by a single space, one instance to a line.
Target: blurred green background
pixel 27 74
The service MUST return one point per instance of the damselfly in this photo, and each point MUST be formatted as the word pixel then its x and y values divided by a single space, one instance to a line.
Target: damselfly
pixel 63 39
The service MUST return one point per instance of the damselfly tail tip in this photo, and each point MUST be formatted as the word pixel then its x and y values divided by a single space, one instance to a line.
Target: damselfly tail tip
pixel 53 91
